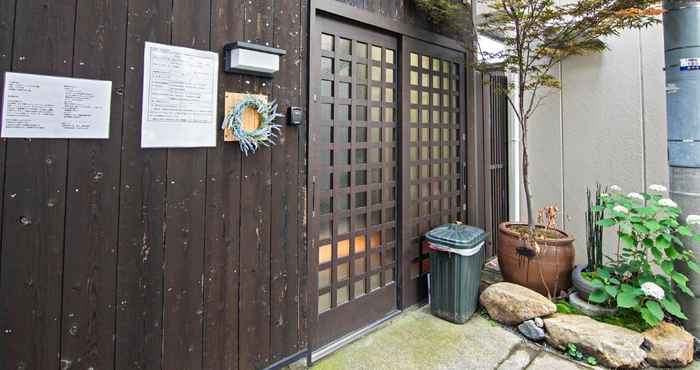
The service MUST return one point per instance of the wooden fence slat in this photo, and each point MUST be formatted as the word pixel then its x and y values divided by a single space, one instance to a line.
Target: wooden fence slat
pixel 34 201
pixel 223 212
pixel 184 217
pixel 254 302
pixel 89 283
pixel 140 266
pixel 284 269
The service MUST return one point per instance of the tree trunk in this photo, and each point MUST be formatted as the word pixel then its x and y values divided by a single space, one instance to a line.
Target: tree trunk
pixel 526 178
pixel 526 157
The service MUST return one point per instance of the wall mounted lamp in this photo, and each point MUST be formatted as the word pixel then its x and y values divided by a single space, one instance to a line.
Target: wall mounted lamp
pixel 253 59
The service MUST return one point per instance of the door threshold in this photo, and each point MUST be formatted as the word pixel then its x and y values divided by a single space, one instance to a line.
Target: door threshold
pixel 349 338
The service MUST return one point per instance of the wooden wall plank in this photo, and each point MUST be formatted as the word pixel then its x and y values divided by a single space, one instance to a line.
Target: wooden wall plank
pixel 7 28
pixel 254 302
pixel 223 212
pixel 284 269
pixel 142 193
pixel 34 201
pixel 301 195
pixel 184 217
pixel 92 206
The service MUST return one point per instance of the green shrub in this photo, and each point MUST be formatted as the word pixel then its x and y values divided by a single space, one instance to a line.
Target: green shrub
pixel 649 241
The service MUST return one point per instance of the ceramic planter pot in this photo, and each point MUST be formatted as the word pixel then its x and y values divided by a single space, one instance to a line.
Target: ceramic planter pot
pixel 549 272
pixel 590 309
pixel 583 286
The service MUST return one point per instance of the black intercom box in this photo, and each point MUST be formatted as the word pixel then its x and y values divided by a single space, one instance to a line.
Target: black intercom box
pixel 295 116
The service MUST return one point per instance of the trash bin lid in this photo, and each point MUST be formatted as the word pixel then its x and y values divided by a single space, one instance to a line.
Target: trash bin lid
pixel 456 236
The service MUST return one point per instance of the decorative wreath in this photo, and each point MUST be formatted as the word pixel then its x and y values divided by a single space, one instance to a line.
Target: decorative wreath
pixel 250 141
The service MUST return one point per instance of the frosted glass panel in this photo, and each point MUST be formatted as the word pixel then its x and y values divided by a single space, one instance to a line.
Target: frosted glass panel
pixel 324 278
pixel 324 253
pixel 343 248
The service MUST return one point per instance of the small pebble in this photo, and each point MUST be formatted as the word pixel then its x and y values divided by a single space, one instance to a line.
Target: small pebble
pixel 531 331
pixel 539 322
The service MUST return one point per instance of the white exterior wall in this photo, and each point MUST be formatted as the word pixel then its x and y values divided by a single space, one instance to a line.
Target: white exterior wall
pixel 607 124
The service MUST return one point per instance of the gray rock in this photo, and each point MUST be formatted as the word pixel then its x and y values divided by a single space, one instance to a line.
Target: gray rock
pixel 613 346
pixel 669 346
pixel 530 330
pixel 512 304
pixel 539 322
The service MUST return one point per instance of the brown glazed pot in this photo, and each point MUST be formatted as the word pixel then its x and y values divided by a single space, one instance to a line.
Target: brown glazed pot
pixel 550 269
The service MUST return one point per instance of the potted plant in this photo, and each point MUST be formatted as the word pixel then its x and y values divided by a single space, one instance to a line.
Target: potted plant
pixel 537 35
pixel 644 276
pixel 581 275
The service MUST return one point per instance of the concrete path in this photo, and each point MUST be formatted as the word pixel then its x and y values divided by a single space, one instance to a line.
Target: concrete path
pixel 417 340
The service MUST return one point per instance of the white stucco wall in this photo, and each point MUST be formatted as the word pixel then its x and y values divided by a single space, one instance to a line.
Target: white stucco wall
pixel 607 124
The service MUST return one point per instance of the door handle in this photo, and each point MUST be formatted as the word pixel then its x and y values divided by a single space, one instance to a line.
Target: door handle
pixel 313 196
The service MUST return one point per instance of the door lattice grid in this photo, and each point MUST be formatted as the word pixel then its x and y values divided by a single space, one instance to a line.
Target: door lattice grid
pixel 433 157
pixel 356 176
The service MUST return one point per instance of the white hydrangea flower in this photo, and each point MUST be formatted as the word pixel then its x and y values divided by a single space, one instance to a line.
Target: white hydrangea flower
pixel 693 220
pixel 604 195
pixel 615 188
pixel 666 202
pixel 658 188
pixel 635 196
pixel 652 290
pixel 621 209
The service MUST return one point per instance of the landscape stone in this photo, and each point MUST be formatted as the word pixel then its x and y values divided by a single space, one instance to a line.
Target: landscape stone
pixel 512 304
pixel 612 346
pixel 669 346
pixel 539 322
pixel 531 331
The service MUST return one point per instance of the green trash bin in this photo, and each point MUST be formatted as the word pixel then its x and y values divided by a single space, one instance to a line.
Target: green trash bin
pixel 456 258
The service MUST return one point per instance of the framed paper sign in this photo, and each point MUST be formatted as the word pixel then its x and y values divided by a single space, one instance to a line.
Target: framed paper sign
pixel 49 107
pixel 179 97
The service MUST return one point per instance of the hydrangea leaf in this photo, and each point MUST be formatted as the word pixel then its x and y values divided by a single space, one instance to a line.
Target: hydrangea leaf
pixel 672 307
pixel 627 299
pixel 611 290
pixel 649 317
pixel 667 267
pixel 598 296
pixel 662 242
pixel 694 266
pixel 655 309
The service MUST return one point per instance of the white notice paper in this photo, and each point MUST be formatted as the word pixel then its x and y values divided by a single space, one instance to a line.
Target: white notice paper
pixel 179 97
pixel 48 107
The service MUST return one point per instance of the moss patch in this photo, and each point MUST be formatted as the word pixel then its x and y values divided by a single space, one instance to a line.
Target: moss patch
pixel 418 340
pixel 628 319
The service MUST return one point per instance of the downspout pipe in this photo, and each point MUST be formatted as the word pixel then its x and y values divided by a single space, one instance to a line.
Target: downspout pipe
pixel 514 181
pixel 681 23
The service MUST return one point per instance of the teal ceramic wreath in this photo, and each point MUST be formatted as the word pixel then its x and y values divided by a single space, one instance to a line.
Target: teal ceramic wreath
pixel 251 140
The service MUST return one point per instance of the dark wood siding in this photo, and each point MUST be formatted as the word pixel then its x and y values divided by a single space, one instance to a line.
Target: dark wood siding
pixel 118 257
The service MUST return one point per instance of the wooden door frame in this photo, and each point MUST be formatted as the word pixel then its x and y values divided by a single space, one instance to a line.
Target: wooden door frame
pixel 474 168
pixel 414 290
pixel 486 110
